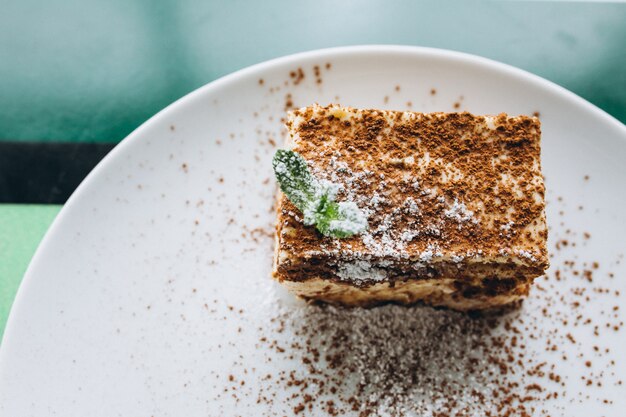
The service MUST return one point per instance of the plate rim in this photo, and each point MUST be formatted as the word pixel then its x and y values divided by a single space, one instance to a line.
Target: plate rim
pixel 324 53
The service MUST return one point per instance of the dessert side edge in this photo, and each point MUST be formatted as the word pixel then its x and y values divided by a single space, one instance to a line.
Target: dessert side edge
pixel 387 206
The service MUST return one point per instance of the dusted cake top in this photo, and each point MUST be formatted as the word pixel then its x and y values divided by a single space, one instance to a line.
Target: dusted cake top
pixel 435 187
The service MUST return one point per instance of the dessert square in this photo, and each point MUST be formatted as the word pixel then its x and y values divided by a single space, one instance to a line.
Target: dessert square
pixel 454 204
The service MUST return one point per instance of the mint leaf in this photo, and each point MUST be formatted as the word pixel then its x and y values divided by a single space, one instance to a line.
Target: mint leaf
pixel 294 178
pixel 350 220
pixel 315 198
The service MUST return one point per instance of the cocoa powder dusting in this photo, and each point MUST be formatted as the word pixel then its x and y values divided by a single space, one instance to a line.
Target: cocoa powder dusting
pixel 452 202
pixel 297 76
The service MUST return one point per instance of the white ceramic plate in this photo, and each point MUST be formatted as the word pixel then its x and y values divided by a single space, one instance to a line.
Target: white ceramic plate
pixel 131 306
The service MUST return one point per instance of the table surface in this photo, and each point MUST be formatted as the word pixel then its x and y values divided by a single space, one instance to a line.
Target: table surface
pixel 92 71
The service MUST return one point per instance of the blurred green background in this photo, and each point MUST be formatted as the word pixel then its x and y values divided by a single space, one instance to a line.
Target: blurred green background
pixel 84 70
pixel 92 71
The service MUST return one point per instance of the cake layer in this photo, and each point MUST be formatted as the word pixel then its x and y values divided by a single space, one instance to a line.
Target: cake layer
pixel 364 273
pixel 441 292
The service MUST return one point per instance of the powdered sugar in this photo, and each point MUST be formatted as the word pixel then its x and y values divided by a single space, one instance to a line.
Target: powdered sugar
pixel 432 251
pixel 359 271
pixel 459 212
pixel 527 255
pixel 457 258
pixel 507 226
pixel 352 219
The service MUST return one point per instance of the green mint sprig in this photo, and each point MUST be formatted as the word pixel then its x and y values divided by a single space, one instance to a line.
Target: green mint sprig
pixel 315 198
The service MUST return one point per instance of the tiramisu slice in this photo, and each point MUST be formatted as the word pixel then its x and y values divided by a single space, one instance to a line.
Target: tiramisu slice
pixel 442 208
